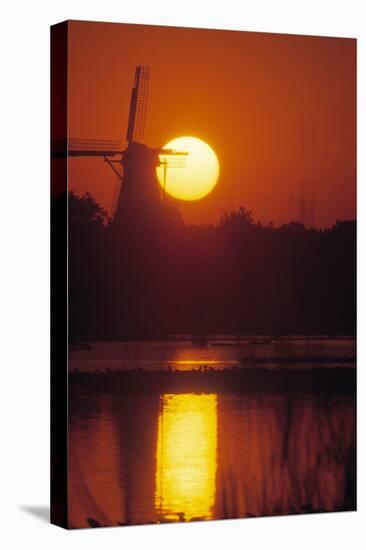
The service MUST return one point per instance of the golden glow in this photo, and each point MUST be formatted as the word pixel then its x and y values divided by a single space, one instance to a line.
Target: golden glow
pixel 186 458
pixel 199 174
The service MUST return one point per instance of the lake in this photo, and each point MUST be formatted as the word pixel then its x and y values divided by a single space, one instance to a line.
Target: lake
pixel 154 457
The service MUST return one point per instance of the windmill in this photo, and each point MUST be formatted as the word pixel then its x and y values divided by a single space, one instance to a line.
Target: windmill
pixel 136 192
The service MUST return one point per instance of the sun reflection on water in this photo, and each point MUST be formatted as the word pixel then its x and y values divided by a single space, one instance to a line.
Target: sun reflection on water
pixel 186 460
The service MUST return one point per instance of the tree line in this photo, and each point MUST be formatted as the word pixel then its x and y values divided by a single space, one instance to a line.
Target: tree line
pixel 156 275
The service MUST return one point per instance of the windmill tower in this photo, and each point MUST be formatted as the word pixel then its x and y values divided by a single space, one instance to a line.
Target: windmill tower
pixel 137 195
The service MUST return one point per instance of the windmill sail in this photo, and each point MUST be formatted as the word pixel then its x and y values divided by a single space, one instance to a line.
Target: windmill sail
pixel 115 195
pixel 138 105
pixel 75 147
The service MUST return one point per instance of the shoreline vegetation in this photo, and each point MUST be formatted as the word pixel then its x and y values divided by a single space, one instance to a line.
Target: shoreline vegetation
pixel 154 275
pixel 318 380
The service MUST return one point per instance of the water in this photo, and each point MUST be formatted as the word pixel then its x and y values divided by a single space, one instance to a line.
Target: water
pixel 155 457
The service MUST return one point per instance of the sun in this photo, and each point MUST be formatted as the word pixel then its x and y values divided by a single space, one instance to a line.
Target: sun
pixel 193 178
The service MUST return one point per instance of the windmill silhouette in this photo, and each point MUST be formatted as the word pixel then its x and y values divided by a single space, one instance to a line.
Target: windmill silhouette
pixel 136 192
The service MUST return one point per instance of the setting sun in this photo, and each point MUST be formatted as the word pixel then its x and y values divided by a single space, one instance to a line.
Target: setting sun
pixel 194 177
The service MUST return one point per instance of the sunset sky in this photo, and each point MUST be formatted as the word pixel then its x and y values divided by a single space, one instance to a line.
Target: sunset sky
pixel 278 110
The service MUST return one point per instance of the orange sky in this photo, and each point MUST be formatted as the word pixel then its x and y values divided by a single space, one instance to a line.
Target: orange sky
pixel 251 96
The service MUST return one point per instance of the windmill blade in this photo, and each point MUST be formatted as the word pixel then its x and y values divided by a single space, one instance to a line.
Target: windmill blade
pixel 78 143
pixel 171 152
pixel 115 195
pixel 173 158
pixel 81 143
pixel 85 153
pixel 116 166
pixel 77 147
pixel 93 153
pixel 173 163
pixel 138 105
